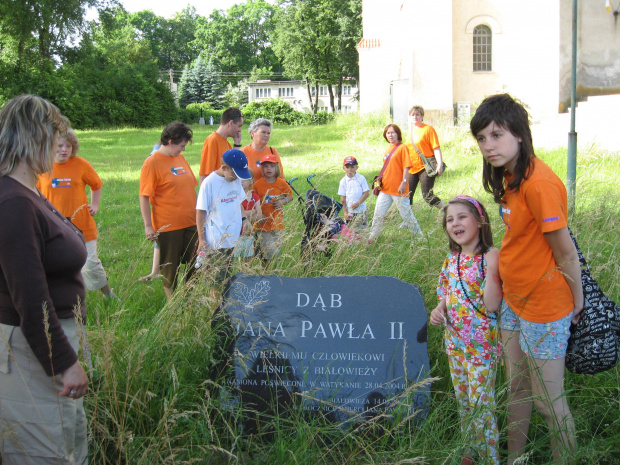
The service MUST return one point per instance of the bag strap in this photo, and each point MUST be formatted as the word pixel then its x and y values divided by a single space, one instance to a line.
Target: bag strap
pixel 419 152
pixel 387 160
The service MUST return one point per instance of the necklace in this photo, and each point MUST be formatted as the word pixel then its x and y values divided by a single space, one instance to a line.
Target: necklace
pixel 476 308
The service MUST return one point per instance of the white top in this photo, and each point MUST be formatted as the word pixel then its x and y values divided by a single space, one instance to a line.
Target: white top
pixel 221 201
pixel 352 189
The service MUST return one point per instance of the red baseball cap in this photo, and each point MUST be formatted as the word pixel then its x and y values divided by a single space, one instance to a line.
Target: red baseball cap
pixel 350 161
pixel 270 158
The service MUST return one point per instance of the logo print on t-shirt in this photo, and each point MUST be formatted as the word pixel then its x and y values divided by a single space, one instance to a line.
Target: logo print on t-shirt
pixel 61 182
pixel 230 196
pixel 504 211
pixel 179 170
pixel 269 198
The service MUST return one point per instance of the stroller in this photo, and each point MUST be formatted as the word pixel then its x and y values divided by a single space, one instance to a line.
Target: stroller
pixel 321 220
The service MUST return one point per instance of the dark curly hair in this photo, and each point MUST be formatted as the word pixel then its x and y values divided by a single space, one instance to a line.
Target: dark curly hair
pixel 176 132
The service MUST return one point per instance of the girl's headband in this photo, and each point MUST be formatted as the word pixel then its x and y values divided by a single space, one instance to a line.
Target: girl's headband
pixel 472 201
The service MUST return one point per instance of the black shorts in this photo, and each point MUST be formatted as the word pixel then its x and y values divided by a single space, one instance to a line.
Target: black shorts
pixel 177 247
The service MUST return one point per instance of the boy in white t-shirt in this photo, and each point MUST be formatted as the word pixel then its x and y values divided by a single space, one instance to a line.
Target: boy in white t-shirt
pixel 218 212
pixel 353 191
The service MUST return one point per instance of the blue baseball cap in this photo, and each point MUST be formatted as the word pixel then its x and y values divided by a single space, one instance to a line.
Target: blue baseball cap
pixel 237 160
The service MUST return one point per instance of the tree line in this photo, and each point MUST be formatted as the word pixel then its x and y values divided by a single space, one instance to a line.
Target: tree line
pixel 107 72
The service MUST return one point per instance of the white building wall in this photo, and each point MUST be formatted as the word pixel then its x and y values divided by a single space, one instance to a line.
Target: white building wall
pixel 525 52
pixel 430 43
pixel 298 98
pixel 402 41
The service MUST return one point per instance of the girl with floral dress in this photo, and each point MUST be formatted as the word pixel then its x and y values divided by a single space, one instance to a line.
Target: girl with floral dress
pixel 469 293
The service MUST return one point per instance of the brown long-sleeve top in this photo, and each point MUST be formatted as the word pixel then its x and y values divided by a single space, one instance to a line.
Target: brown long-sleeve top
pixel 41 257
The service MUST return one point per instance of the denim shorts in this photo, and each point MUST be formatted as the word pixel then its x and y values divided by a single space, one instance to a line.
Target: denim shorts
pixel 545 341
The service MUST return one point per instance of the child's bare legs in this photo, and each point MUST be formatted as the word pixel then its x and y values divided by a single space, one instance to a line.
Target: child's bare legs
pixel 93 273
pixel 155 268
pixel 106 290
pixel 519 408
pixel 108 293
pixel 545 380
pixel 168 292
pixel 269 244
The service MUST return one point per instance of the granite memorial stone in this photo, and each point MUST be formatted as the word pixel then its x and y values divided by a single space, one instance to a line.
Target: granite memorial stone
pixel 346 347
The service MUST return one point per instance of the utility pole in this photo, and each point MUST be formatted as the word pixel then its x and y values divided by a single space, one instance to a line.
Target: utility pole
pixel 571 163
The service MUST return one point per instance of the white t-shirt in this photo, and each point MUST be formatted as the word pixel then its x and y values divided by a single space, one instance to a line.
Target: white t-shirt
pixel 221 201
pixel 352 189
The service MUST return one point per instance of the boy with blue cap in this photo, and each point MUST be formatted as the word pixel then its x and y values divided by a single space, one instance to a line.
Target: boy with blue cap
pixel 218 212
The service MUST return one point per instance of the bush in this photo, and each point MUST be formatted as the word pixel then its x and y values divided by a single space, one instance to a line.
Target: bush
pixel 280 112
pixel 94 94
pixel 274 109
pixel 322 117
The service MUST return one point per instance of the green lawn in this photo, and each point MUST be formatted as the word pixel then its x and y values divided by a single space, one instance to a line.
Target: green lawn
pixel 153 400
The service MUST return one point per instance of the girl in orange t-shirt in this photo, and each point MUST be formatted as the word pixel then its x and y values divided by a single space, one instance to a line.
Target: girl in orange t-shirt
pixel 274 193
pixel 539 266
pixel 65 188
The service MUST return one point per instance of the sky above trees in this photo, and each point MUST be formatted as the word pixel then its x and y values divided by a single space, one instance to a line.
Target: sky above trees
pixel 167 9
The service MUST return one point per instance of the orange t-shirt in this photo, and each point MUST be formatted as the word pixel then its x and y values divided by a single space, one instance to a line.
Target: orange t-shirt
pixel 65 188
pixel 254 157
pixel 393 174
pixel 170 185
pixel 425 138
pixel 274 219
pixel 416 163
pixel 533 287
pixel 211 155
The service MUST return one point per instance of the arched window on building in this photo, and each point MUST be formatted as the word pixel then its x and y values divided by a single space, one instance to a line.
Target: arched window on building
pixel 483 39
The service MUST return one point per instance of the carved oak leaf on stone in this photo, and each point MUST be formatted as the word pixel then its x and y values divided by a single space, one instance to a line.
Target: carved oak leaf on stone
pixel 250 297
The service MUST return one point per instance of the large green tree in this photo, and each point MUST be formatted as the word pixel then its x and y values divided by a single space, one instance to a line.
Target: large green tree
pixel 35 36
pixel 239 38
pixel 316 41
pixel 112 80
pixel 200 83
pixel 171 40
pixel 39 29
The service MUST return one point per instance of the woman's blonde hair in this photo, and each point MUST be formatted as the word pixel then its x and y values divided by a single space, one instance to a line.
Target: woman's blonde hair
pixel 29 127
pixel 71 137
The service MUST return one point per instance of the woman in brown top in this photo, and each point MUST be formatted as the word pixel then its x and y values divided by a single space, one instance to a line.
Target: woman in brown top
pixel 41 295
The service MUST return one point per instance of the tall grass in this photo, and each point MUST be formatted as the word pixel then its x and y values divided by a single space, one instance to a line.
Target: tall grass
pixel 154 397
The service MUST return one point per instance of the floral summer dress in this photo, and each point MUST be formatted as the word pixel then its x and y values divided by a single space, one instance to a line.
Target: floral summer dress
pixel 470 332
